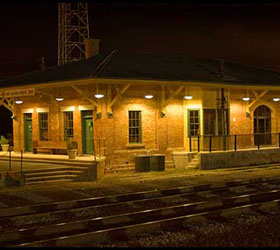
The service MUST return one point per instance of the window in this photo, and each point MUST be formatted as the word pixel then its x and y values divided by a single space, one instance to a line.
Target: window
pixel 43 126
pixel 209 121
pixel 193 122
pixel 68 125
pixel 216 122
pixel 135 129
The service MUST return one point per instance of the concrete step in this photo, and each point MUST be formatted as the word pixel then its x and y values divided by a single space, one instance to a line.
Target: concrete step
pixel 56 169
pixel 193 164
pixel 48 181
pixel 53 173
pixel 192 167
pixel 66 162
pixel 49 178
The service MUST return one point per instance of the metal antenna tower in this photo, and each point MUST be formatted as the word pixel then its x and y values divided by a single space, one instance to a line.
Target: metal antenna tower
pixel 73 29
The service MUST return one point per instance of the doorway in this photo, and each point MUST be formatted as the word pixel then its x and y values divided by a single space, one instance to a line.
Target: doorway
pixel 28 132
pixel 262 125
pixel 87 132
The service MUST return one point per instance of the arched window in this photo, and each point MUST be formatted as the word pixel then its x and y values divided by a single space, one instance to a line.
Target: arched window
pixel 262 125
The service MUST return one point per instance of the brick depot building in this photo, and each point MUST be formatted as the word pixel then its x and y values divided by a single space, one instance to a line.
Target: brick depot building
pixel 134 125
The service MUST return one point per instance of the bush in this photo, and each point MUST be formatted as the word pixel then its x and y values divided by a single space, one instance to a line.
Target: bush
pixel 3 140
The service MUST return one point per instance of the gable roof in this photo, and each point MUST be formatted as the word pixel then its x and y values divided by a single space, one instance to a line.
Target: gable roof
pixel 121 65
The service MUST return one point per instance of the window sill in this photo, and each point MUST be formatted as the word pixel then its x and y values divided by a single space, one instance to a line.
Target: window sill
pixel 135 145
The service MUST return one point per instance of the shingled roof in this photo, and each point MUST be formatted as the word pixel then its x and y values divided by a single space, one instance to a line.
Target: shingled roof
pixel 121 65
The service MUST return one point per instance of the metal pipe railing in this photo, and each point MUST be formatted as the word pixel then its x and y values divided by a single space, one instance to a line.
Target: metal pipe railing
pixel 10 162
pixel 233 142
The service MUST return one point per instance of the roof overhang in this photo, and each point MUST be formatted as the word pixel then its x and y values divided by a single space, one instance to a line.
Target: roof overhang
pixel 95 80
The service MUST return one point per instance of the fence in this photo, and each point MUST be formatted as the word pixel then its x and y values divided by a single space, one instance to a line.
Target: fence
pixel 99 147
pixel 233 142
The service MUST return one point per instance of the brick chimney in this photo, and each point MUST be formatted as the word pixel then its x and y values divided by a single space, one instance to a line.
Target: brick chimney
pixel 91 47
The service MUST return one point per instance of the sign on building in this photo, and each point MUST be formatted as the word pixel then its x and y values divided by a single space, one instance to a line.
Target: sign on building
pixel 19 92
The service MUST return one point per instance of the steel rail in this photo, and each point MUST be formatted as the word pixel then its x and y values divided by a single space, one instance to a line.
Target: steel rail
pixel 71 229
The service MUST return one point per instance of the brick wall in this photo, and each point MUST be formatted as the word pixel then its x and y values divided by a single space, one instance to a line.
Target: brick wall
pixel 159 134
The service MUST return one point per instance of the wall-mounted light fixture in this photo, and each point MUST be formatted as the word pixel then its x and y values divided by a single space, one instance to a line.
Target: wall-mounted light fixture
pixel 188 96
pixel 98 94
pixel 276 99
pixel 59 98
pixel 18 102
pixel 246 98
pixel 149 96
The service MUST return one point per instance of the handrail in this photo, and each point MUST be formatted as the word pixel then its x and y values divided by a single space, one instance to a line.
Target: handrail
pixel 233 142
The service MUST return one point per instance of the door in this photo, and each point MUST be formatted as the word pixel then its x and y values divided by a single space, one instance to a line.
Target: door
pixel 87 132
pixel 28 132
pixel 262 125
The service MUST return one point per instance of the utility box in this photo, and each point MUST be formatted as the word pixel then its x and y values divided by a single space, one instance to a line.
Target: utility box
pixel 157 162
pixel 142 163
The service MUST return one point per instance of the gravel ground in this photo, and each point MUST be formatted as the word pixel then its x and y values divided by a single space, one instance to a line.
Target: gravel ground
pixel 250 230
pixel 111 184
pixel 246 230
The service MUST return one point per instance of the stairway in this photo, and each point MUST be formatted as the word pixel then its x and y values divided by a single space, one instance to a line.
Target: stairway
pixel 194 162
pixel 59 174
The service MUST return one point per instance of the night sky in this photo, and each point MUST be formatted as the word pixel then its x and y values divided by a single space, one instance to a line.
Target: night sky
pixel 248 33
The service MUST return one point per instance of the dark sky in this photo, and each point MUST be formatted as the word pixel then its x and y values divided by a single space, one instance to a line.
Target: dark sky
pixel 248 33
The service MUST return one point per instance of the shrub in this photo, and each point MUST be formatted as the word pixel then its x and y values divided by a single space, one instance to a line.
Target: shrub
pixel 3 140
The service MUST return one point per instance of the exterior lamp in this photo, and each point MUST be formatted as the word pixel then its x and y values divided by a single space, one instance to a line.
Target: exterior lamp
pixel 98 95
pixel 246 98
pixel 59 98
pixel 188 96
pixel 276 99
pixel 18 101
pixel 149 96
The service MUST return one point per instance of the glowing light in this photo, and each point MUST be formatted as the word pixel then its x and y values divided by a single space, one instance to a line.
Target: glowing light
pixel 188 97
pixel 149 96
pixel 59 99
pixel 99 96
pixel 276 99
pixel 18 101
pixel 246 99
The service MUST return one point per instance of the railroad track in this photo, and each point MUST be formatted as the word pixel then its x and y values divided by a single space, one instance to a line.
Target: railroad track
pixel 117 217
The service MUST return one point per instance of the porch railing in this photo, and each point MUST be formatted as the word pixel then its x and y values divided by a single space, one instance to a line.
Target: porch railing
pixel 99 147
pixel 233 142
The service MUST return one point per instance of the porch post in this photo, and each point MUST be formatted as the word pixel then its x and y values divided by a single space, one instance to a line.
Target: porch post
pixel 190 140
pixel 198 144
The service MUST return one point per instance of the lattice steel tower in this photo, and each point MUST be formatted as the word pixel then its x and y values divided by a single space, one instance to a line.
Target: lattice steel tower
pixel 73 29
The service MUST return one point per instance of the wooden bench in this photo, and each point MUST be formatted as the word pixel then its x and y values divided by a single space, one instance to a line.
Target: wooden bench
pixel 54 147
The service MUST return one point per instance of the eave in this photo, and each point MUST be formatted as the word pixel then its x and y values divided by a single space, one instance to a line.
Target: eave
pixel 96 80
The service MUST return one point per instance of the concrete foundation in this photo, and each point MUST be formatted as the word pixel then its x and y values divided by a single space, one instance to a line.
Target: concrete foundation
pixel 239 158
